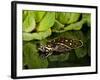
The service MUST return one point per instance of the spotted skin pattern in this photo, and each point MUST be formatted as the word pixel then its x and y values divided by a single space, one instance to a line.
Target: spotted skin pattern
pixel 60 45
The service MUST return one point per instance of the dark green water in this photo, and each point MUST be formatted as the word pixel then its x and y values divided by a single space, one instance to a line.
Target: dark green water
pixel 77 57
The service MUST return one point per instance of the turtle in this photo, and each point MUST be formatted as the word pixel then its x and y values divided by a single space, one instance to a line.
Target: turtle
pixel 60 45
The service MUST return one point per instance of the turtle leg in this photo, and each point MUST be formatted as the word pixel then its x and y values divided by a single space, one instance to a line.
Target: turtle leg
pixel 46 55
pixel 50 53
pixel 43 56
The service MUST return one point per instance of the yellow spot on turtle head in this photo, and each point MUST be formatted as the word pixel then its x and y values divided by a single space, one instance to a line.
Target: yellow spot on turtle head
pixel 70 43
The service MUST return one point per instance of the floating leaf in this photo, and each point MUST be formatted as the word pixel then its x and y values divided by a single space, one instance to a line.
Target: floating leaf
pixel 63 17
pixel 39 15
pixel 27 36
pixel 73 17
pixel 25 13
pixel 74 26
pixel 57 26
pixel 36 35
pixel 67 17
pixel 29 22
pixel 47 21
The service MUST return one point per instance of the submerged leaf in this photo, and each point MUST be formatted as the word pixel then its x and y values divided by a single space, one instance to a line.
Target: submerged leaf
pixel 64 56
pixel 31 57
pixel 53 58
pixel 61 57
pixel 81 52
pixel 44 62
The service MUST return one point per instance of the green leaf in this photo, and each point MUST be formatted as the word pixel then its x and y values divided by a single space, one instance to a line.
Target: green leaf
pixel 63 17
pixel 25 13
pixel 64 56
pixel 39 15
pixel 87 18
pixel 61 57
pixel 53 58
pixel 79 35
pixel 44 62
pixel 36 35
pixel 81 52
pixel 31 57
pixel 57 26
pixel 27 36
pixel 74 26
pixel 47 21
pixel 43 41
pixel 73 17
pixel 67 17
pixel 29 22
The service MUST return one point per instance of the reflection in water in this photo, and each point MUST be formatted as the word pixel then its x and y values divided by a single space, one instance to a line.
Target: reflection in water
pixel 76 57
pixel 58 58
